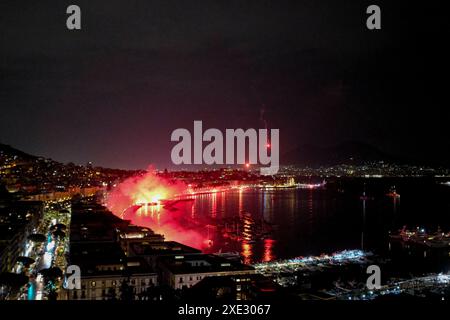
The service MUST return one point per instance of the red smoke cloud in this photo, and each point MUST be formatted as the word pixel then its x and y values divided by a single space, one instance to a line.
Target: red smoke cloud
pixel 143 199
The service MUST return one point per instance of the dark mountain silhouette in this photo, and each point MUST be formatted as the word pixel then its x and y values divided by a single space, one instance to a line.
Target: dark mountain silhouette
pixel 351 152
pixel 6 150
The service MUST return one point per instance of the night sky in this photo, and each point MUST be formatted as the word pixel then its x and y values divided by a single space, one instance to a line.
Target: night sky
pixel 113 92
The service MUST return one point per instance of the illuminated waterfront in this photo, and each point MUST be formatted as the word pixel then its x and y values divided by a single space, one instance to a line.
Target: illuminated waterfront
pixel 264 225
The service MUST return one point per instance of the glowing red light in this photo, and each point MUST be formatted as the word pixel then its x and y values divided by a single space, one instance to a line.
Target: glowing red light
pixel 247 165
pixel 151 194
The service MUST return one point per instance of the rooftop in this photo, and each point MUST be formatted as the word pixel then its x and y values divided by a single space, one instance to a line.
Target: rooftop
pixel 162 248
pixel 202 263
pixel 106 259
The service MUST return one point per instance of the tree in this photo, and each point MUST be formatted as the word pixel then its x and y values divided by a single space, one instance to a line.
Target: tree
pixel 151 293
pixel 52 293
pixel 59 234
pixel 37 237
pixel 11 282
pixel 111 294
pixel 25 261
pixel 126 291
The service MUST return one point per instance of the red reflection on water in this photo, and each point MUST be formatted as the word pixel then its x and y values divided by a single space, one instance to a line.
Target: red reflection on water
pixel 247 252
pixel 240 202
pixel 268 250
pixel 193 211
pixel 213 204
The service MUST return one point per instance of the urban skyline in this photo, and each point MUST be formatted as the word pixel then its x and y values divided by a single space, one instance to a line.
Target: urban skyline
pixel 246 154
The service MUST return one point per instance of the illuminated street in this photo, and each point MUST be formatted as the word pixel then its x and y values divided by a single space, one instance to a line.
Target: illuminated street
pixel 50 253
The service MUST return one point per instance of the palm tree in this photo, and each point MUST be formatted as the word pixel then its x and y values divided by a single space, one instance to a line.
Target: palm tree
pixel 59 234
pixel 51 276
pixel 25 261
pixel 37 237
pixel 52 292
pixel 11 283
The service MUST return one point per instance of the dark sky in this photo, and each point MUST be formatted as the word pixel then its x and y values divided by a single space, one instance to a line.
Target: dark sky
pixel 113 92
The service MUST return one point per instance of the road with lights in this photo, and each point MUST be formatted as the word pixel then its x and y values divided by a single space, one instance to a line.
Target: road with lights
pixel 47 254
